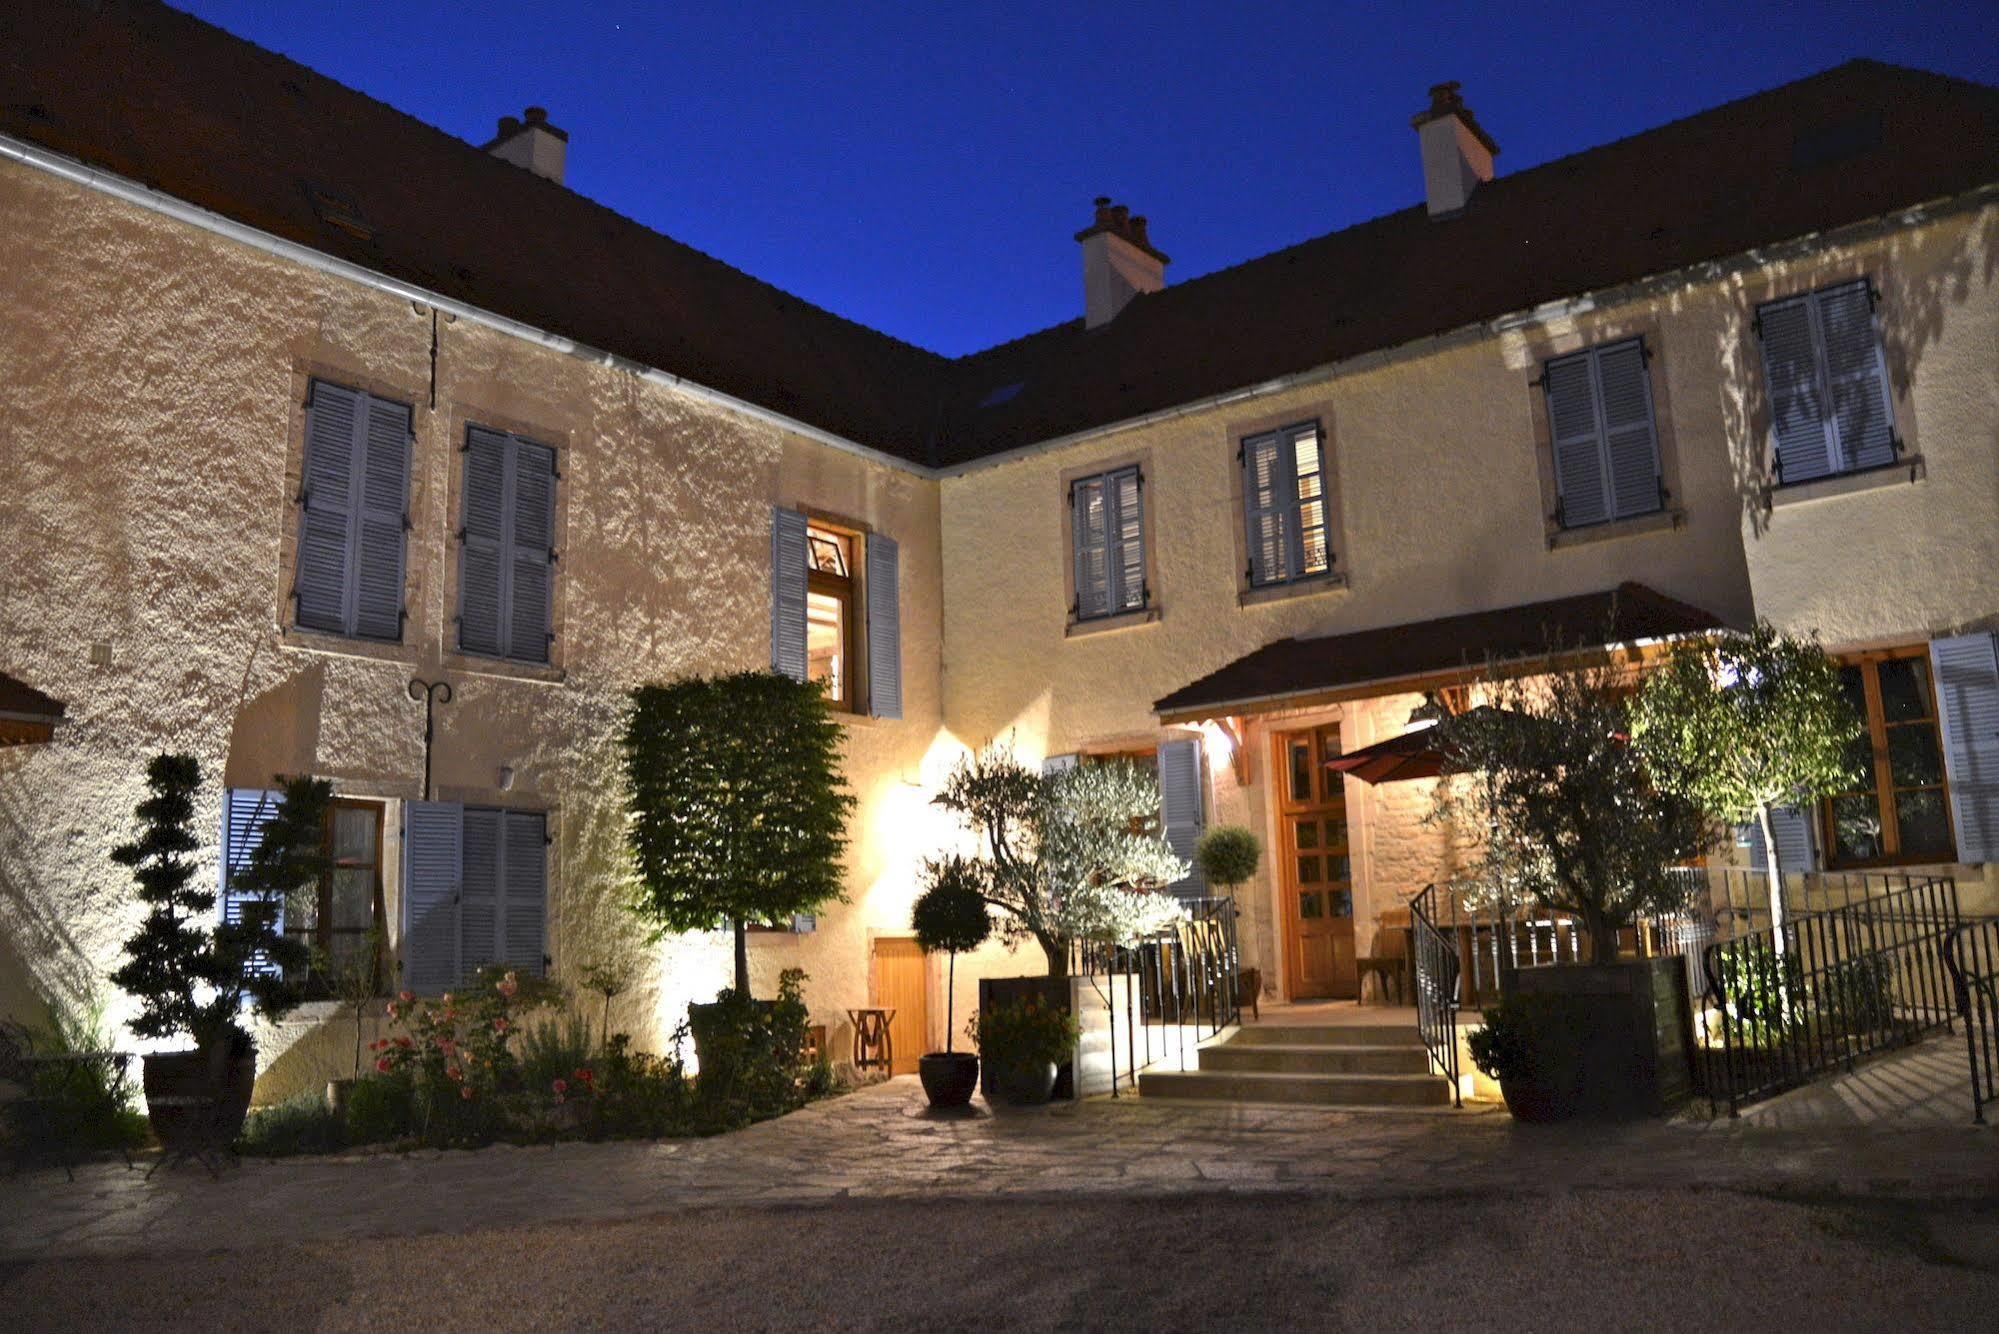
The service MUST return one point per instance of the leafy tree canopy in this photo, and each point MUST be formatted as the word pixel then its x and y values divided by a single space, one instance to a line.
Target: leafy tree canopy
pixel 1228 855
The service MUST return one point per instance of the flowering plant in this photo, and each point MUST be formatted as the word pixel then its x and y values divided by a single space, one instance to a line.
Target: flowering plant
pixel 455 1046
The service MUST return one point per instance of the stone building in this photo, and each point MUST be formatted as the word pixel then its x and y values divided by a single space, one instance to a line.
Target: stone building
pixel 302 400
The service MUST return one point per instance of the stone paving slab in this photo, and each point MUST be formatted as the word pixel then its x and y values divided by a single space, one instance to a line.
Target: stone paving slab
pixel 882 1142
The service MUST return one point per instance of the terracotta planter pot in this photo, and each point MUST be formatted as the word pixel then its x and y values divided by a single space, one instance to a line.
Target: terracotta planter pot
pixel 1025 1086
pixel 196 1100
pixel 949 1077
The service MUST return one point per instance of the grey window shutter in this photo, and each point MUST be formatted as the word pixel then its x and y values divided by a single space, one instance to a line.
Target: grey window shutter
pixel 245 814
pixel 382 518
pixel 1797 843
pixel 1863 419
pixel 481 560
pixel 1580 479
pixel 524 897
pixel 531 544
pixel 1090 527
pixel 320 580
pixel 1631 444
pixel 433 876
pixel 1797 401
pixel 1056 764
pixel 787 593
pixel 480 900
pixel 1967 682
pixel 1269 496
pixel 1182 812
pixel 884 592
pixel 1127 531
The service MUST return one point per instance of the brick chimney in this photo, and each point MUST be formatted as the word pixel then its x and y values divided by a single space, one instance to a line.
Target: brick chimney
pixel 533 143
pixel 1457 154
pixel 1118 262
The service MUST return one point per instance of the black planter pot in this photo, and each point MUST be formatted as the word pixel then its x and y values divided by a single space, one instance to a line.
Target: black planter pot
pixel 1025 1085
pixel 197 1100
pixel 1619 1035
pixel 1538 1101
pixel 949 1077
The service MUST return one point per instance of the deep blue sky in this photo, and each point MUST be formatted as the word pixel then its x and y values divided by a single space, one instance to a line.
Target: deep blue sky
pixel 923 168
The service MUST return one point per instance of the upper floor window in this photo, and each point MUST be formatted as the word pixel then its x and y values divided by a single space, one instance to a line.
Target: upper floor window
pixel 1830 409
pixel 1284 497
pixel 1107 536
pixel 353 513
pixel 1606 444
pixel 829 613
pixel 836 595
pixel 506 549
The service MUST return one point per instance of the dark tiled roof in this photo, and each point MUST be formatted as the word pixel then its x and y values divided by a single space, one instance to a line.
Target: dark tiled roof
pixel 18 699
pixel 1293 667
pixel 1764 169
pixel 155 95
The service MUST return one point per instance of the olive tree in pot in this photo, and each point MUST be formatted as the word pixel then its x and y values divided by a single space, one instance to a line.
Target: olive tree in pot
pixel 1024 1041
pixel 737 817
pixel 1572 823
pixel 950 915
pixel 192 974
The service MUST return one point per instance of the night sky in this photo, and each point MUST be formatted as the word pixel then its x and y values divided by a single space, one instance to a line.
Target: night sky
pixel 922 169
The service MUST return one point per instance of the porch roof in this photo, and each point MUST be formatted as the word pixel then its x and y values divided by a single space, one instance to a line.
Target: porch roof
pixel 1285 672
pixel 26 714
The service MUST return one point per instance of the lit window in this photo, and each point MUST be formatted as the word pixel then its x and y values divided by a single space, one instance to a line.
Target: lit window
pixel 829 613
pixel 1285 495
pixel 1899 807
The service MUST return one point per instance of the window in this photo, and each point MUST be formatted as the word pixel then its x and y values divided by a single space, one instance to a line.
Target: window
pixel 1830 410
pixel 475 892
pixel 506 546
pixel 353 512
pixel 1606 444
pixel 335 919
pixel 1107 538
pixel 829 613
pixel 1284 497
pixel 1899 811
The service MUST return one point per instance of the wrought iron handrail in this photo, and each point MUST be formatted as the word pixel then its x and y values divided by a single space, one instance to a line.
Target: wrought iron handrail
pixel 1437 972
pixel 1830 987
pixel 1971 954
pixel 1178 988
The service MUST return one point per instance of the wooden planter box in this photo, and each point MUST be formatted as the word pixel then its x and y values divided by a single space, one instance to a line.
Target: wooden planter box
pixel 1633 1029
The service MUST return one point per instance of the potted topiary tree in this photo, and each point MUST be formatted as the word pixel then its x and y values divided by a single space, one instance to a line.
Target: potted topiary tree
pixel 192 979
pixel 950 915
pixel 1228 855
pixel 737 816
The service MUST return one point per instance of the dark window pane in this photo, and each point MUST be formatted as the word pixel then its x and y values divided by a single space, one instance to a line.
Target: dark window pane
pixel 1329 744
pixel 1308 870
pixel 1308 833
pixel 1342 902
pixel 1913 757
pixel 1301 771
pixel 1856 824
pixel 1339 868
pixel 1853 681
pixel 1924 826
pixel 1905 690
pixel 1310 905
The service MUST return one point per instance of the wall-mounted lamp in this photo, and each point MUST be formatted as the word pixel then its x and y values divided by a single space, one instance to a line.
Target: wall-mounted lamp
pixel 506 778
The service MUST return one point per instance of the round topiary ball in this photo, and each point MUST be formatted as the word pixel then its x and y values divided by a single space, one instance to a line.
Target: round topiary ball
pixel 1228 855
pixel 951 914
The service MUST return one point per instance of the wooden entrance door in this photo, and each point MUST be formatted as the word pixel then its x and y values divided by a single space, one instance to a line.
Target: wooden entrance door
pixel 1314 869
pixel 899 984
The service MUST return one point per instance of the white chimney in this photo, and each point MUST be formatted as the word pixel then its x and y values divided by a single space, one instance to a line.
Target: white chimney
pixel 533 143
pixel 1118 263
pixel 1457 154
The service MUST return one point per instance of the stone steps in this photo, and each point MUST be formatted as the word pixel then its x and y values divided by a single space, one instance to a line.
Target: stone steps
pixel 1311 1089
pixel 1354 1066
pixel 1299 1059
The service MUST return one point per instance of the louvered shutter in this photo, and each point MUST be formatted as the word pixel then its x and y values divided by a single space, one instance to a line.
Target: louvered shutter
pixel 1797 402
pixel 481 561
pixel 1797 845
pixel 1631 445
pixel 433 874
pixel 1269 495
pixel 1967 681
pixel 383 515
pixel 320 580
pixel 480 898
pixel 245 814
pixel 1090 530
pixel 531 541
pixel 1182 812
pixel 787 593
pixel 1580 479
pixel 1863 420
pixel 1125 491
pixel 524 898
pixel 884 627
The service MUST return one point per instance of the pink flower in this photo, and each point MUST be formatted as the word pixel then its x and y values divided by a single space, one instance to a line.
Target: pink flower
pixel 452 1073
pixel 561 1086
pixel 465 1092
pixel 403 1042
pixel 447 998
pixel 500 1025
pixel 406 996
pixel 582 1075
pixel 445 1045
pixel 382 1065
pixel 507 986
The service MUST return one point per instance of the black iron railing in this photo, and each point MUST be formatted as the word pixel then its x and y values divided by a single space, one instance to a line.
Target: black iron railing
pixel 1828 987
pixel 1166 995
pixel 1971 955
pixel 1437 982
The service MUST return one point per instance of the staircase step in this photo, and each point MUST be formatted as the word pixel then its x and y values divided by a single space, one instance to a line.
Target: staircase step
pixel 1330 1035
pixel 1282 1087
pixel 1298 1058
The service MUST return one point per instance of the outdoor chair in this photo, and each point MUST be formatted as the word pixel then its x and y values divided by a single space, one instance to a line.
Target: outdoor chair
pixel 1389 967
pixel 38 1109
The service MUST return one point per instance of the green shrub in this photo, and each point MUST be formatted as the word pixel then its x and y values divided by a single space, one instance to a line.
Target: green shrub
pixel 1024 1033
pixel 1526 1037
pixel 84 1107
pixel 1761 990
pixel 753 1064
pixel 1858 995
pixel 300 1124
pixel 555 1048
pixel 379 1109
pixel 638 1095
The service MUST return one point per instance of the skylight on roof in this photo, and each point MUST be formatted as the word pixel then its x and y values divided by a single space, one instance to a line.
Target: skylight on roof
pixel 1004 394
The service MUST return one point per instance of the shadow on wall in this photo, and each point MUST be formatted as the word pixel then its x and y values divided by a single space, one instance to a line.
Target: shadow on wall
pixel 276 732
pixel 41 957
pixel 1917 287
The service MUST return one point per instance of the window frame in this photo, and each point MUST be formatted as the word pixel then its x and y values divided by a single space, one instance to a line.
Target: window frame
pixel 1114 564
pixel 1287 434
pixel 847 592
pixel 516 440
pixel 1882 787
pixel 1812 297
pixel 1592 356
pixel 308 377
pixel 322 928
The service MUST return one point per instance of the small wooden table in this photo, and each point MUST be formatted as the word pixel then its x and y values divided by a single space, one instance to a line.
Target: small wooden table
pixel 874 1048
